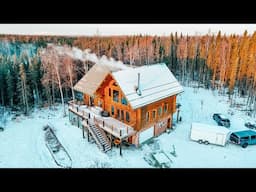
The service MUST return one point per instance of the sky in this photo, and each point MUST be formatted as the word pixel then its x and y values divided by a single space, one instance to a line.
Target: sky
pixel 123 29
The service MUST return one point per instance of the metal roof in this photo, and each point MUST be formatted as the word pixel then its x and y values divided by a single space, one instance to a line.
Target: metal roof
pixel 156 82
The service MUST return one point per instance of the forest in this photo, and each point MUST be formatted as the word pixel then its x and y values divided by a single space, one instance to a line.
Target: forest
pixel 38 71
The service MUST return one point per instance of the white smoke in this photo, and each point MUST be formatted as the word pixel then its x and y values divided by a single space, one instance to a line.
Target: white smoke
pixel 86 55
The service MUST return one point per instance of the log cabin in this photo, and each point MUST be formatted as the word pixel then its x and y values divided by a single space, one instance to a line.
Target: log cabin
pixel 143 98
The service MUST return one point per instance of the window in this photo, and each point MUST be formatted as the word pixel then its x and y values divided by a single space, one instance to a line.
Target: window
pixel 245 138
pixel 147 116
pixel 153 114
pixel 165 107
pixel 79 96
pixel 118 113
pixel 124 101
pixel 122 115
pixel 159 111
pixel 115 96
pixel 112 110
pixel 127 116
pixel 253 137
pixel 109 92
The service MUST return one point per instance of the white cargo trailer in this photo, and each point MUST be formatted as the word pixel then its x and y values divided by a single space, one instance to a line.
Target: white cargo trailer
pixel 203 133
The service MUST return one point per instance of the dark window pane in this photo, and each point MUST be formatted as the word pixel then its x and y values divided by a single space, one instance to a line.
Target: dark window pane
pixel 122 115
pixel 115 96
pixel 153 114
pixel 124 101
pixel 127 116
pixel 159 111
pixel 112 110
pixel 147 116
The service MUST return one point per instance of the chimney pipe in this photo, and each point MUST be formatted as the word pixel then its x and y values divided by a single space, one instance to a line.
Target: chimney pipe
pixel 138 86
pixel 138 80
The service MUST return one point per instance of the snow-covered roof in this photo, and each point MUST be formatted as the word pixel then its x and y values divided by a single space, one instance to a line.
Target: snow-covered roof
pixel 156 82
pixel 223 116
pixel 210 128
pixel 92 80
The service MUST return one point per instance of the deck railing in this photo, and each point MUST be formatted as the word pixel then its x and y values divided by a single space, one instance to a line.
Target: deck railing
pixel 120 131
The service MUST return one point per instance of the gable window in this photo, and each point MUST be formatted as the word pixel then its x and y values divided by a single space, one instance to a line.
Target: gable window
pixel 165 107
pixel 153 114
pixel 124 101
pixel 159 111
pixel 147 116
pixel 112 110
pixel 127 116
pixel 115 96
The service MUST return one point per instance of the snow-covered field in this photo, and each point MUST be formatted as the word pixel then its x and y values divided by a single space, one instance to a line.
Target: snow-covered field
pixel 22 142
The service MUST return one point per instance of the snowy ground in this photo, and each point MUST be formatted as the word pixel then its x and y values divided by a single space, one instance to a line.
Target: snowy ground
pixel 22 142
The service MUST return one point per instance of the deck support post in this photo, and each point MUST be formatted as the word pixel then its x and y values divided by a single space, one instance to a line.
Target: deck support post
pixel 120 145
pixel 88 136
pixel 83 131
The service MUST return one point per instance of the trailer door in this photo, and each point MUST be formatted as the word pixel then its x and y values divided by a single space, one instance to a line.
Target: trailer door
pixel 220 139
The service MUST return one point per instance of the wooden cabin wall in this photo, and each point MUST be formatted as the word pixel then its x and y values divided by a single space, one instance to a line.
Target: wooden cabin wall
pixel 105 94
pixel 171 106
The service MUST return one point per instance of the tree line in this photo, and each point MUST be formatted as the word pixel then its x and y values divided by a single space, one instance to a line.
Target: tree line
pixel 223 62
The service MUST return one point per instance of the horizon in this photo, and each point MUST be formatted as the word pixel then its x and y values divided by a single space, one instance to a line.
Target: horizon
pixel 124 29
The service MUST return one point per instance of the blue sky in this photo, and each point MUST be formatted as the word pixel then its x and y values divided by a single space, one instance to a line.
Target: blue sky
pixel 123 29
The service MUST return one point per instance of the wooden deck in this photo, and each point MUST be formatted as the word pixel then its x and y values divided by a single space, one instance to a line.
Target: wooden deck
pixel 116 128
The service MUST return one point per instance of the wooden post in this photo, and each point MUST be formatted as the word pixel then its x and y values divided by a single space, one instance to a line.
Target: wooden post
pixel 111 139
pixel 178 112
pixel 83 131
pixel 77 121
pixel 88 136
pixel 120 145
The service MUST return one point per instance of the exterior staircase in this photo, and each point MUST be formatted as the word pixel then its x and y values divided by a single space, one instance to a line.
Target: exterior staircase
pixel 100 137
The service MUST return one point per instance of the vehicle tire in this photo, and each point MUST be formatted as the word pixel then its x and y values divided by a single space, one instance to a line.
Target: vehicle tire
pixel 245 145
pixel 206 142
pixel 200 141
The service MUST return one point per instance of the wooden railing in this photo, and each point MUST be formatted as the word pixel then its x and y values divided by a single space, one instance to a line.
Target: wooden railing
pixel 120 132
